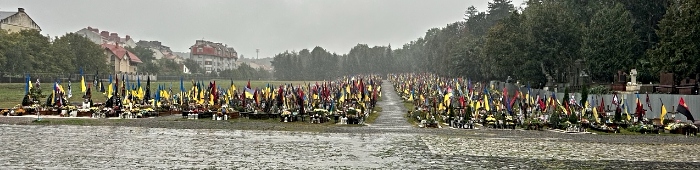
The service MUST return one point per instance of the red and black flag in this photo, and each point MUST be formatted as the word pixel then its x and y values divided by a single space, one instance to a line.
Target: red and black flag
pixel 683 109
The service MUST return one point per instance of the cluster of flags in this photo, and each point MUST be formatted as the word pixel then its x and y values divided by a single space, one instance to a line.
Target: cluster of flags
pixel 429 90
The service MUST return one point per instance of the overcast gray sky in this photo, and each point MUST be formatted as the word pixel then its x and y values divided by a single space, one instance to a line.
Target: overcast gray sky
pixel 273 26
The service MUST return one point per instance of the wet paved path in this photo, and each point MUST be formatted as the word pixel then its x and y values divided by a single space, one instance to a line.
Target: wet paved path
pixel 393 111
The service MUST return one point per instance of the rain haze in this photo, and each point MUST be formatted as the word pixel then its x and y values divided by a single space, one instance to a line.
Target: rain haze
pixel 272 26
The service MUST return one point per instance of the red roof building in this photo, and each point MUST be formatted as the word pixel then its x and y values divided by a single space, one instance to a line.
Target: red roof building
pixel 123 60
pixel 213 57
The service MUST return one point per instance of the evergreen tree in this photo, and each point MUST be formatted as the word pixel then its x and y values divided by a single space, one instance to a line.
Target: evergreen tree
pixel 609 42
pixel 677 51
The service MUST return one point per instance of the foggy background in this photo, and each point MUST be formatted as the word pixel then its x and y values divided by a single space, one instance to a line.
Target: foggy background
pixel 272 26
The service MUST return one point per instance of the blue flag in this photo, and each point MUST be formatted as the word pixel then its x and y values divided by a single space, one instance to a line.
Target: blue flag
pixel 182 85
pixel 27 84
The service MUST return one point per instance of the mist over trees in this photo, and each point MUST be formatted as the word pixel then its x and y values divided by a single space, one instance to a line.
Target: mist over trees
pixel 543 39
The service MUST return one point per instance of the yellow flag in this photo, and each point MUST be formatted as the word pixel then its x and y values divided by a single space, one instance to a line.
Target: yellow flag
pixel 109 90
pixel 82 84
pixel 142 94
pixel 628 115
pixel 447 100
pixel 486 103
pixel 564 109
pixel 663 113
pixel 595 115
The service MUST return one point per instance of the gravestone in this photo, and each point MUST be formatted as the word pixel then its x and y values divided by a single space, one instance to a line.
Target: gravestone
pixel 619 82
pixel 633 76
pixel 632 85
pixel 666 83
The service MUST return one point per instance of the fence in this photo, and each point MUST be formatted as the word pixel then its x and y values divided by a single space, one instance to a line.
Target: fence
pixel 629 100
pixel 65 77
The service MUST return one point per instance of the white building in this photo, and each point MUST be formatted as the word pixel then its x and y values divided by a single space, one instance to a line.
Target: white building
pixel 105 37
pixel 213 57
pixel 17 21
pixel 160 51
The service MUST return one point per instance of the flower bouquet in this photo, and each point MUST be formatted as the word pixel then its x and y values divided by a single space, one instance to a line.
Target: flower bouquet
pixel 680 128
pixel 286 113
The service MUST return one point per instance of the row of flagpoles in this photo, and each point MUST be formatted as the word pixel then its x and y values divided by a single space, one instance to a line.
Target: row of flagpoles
pixel 421 88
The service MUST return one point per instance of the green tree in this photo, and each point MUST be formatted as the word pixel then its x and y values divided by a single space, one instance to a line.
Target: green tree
pixel 504 49
pixel 553 37
pixel 74 51
pixel 148 65
pixel 646 17
pixel 27 51
pixel 169 67
pixel 193 66
pixel 609 43
pixel 584 95
pixel 678 48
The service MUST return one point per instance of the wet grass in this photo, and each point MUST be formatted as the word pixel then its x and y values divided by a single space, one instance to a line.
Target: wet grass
pixel 373 116
pixel 409 106
pixel 376 111
pixel 627 132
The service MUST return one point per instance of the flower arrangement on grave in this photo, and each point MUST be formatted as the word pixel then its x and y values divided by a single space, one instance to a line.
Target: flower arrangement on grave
pixel 69 108
pixel 352 113
pixel 641 128
pixel 676 126
pixel 509 120
pixel 532 123
pixel 286 113
pixel 147 109
pixel 321 112
pixel 416 114
pixel 491 120
pixel 431 119
pixel 95 109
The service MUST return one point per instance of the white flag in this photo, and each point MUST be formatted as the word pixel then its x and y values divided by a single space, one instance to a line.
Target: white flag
pixel 70 92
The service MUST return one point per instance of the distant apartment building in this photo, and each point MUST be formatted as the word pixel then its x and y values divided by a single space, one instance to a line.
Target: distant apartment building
pixel 114 48
pixel 213 57
pixel 17 21
pixel 105 37
pixel 160 51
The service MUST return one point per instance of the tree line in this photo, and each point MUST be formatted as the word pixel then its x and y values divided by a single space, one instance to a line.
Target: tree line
pixel 543 39
pixel 30 52
pixel 319 64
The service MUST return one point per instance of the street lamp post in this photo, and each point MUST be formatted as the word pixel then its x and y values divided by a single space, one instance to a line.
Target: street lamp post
pixel 257 54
